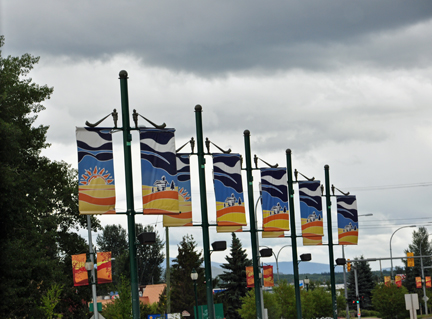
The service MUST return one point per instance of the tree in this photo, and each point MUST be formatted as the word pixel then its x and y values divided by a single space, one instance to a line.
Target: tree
pixel 182 290
pixel 150 258
pixel 420 239
pixel 364 280
pixel 113 239
pixel 39 202
pixel 248 308
pixel 389 301
pixel 286 298
pixel 234 278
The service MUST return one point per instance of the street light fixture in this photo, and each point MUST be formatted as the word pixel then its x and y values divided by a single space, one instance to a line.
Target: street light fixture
pixel 194 277
pixel 218 246
pixel 305 257
pixel 391 257
pixel 306 282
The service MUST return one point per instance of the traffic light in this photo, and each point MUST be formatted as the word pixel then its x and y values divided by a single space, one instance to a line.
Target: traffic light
pixel 410 261
pixel 348 265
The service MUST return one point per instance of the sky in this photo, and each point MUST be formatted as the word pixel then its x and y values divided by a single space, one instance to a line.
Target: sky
pixel 341 83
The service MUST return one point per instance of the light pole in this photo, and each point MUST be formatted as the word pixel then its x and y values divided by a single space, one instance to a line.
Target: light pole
pixel 423 280
pixel 391 258
pixel 194 277
pixel 277 258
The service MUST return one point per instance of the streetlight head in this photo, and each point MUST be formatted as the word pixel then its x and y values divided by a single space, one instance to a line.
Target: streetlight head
pixel 266 252
pixel 305 257
pixel 340 261
pixel 219 245
pixel 89 265
pixel 194 275
pixel 147 238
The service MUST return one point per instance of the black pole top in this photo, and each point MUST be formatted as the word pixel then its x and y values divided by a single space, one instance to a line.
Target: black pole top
pixel 326 166
pixel 123 74
pixel 198 108
pixel 246 132
pixel 288 151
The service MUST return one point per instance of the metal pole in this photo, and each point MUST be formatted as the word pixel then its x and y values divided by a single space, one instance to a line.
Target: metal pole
pixel 167 271
pixel 357 293
pixel 423 281
pixel 293 234
pixel 345 284
pixel 253 228
pixel 204 217
pixel 196 315
pixel 127 139
pixel 330 240
pixel 391 259
pixel 93 283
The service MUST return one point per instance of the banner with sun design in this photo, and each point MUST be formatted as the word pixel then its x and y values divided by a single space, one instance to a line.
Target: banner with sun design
pixel 347 220
pixel 311 212
pixel 95 171
pixel 80 275
pixel 230 210
pixel 274 199
pixel 104 270
pixel 159 171
pixel 268 276
pixel 184 195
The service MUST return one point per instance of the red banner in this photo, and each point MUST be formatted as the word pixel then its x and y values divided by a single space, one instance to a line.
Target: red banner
pixel 268 276
pixel 418 282
pixel 398 280
pixel 428 282
pixel 250 277
pixel 104 274
pixel 80 275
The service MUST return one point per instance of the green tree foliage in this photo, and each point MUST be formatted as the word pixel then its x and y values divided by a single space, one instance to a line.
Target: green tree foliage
pixel 285 294
pixel 234 279
pixel 121 308
pixel 39 202
pixel 248 308
pixel 389 301
pixel 182 289
pixel 113 239
pixel 365 283
pixel 420 239
pixel 50 301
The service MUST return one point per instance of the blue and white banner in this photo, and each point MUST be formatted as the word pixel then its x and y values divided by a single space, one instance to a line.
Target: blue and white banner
pixel 311 212
pixel 347 220
pixel 159 171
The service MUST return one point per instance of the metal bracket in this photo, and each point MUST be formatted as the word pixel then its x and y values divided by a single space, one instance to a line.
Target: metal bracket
pixel 114 115
pixel 192 144
pixel 208 142
pixel 333 190
pixel 256 158
pixel 296 172
pixel 135 119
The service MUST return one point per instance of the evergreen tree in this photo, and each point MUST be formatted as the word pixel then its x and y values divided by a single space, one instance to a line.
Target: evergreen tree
pixel 38 203
pixel 365 283
pixel 113 239
pixel 182 289
pixel 234 279
pixel 420 239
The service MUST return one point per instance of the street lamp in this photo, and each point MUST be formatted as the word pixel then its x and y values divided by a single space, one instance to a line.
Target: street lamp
pixel 306 282
pixel 194 277
pixel 391 259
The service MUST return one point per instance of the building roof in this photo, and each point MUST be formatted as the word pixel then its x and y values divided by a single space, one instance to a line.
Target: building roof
pixel 152 293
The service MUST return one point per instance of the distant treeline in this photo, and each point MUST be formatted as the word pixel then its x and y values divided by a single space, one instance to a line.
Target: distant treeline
pixel 325 277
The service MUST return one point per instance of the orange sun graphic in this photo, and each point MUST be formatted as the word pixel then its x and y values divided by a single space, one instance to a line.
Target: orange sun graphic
pixel 96 176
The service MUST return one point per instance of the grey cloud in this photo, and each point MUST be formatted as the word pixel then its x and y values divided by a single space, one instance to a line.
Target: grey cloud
pixel 208 38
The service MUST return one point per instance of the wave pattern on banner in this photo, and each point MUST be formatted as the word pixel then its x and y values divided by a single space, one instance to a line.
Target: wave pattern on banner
pixel 159 171
pixel 274 199
pixel 230 210
pixel 184 195
pixel 311 212
pixel 347 220
pixel 96 186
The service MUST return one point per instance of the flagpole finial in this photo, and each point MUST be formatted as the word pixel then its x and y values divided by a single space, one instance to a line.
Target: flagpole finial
pixel 246 132
pixel 198 108
pixel 123 74
pixel 288 151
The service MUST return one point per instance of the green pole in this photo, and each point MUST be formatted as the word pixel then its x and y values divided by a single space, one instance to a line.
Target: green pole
pixel 330 240
pixel 168 271
pixel 127 138
pixel 293 233
pixel 253 229
pixel 204 217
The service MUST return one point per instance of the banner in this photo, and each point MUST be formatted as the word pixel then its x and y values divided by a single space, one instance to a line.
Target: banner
pixel 268 276
pixel 96 187
pixel 274 200
pixel 311 212
pixel 184 195
pixel 273 234
pixel 230 210
pixel 418 282
pixel 428 282
pixel 250 277
pixel 398 280
pixel 80 275
pixel 159 171
pixel 387 280
pixel 229 229
pixel 104 270
pixel 347 220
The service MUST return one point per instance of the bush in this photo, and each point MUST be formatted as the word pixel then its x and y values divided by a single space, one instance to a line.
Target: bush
pixel 389 301
pixel 248 308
